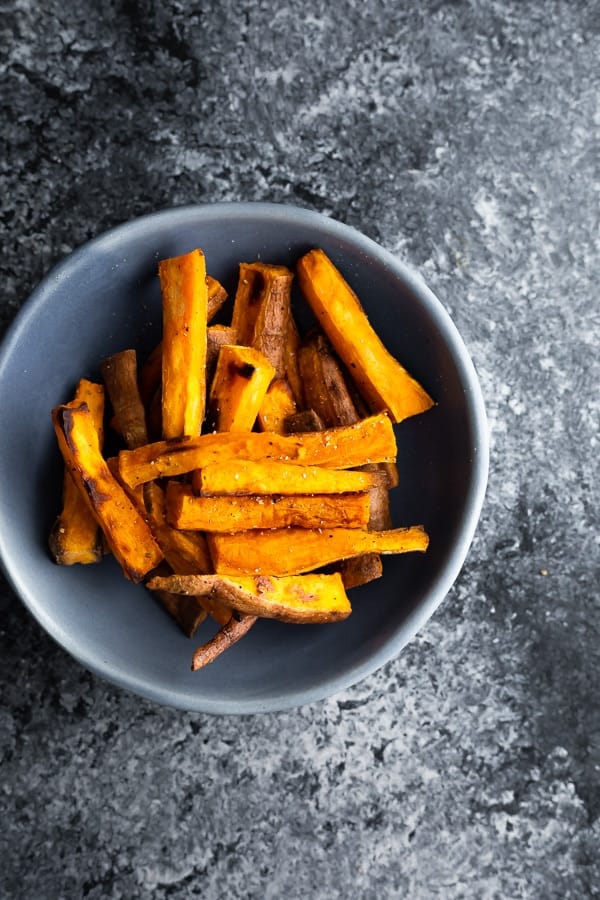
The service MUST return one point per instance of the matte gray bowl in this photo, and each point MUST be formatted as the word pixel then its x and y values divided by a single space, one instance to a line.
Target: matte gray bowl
pixel 105 297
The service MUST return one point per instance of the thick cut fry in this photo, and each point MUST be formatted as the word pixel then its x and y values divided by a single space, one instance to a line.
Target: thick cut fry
pixel 370 440
pixel 278 404
pixel 151 372
pixel 228 635
pixel 185 551
pixel 384 383
pixel 230 514
pixel 188 612
pixel 126 532
pixel 291 551
pixel 248 477
pixel 261 310
pixel 185 304
pixel 75 536
pixel 120 377
pixel 240 383
pixel 310 599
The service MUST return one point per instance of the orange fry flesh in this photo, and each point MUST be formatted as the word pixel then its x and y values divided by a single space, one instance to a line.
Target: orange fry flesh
pixel 185 304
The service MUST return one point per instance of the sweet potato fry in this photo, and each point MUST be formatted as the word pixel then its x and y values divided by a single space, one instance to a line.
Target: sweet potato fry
pixel 151 372
pixel 240 383
pixel 75 536
pixel 188 612
pixel 370 440
pixel 273 477
pixel 120 377
pixel 291 551
pixel 290 362
pixel 383 381
pixel 325 388
pixel 230 514
pixel 278 404
pixel 185 305
pixel 309 599
pixel 126 532
pixel 228 635
pixel 261 310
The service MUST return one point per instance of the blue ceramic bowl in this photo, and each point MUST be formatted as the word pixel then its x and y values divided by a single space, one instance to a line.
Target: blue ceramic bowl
pixel 105 297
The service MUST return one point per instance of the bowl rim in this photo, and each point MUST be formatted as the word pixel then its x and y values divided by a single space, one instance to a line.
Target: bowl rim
pixel 467 524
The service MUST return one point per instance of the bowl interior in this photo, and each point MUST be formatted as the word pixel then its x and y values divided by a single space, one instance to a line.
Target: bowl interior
pixel 105 297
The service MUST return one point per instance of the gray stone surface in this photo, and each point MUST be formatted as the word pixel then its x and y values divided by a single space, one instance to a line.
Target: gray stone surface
pixel 464 137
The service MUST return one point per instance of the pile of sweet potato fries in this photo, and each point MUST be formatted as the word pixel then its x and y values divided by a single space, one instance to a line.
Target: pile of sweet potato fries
pixel 256 463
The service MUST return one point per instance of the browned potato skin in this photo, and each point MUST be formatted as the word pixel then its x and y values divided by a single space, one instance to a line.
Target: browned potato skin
pixel 306 599
pixel 119 372
pixel 228 635
pixel 262 309
pixel 188 612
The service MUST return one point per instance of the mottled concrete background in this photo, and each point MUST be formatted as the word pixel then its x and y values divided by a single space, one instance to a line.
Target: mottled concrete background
pixel 463 136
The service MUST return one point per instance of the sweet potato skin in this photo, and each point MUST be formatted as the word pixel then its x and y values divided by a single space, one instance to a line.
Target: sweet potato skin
pixel 121 379
pixel 305 599
pixel 188 612
pixel 228 635
pixel 261 310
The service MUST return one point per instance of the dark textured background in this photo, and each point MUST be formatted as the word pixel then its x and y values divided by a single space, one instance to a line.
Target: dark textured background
pixel 463 136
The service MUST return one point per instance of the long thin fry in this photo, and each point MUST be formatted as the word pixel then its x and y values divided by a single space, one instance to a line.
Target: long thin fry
pixel 228 635
pixel 120 376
